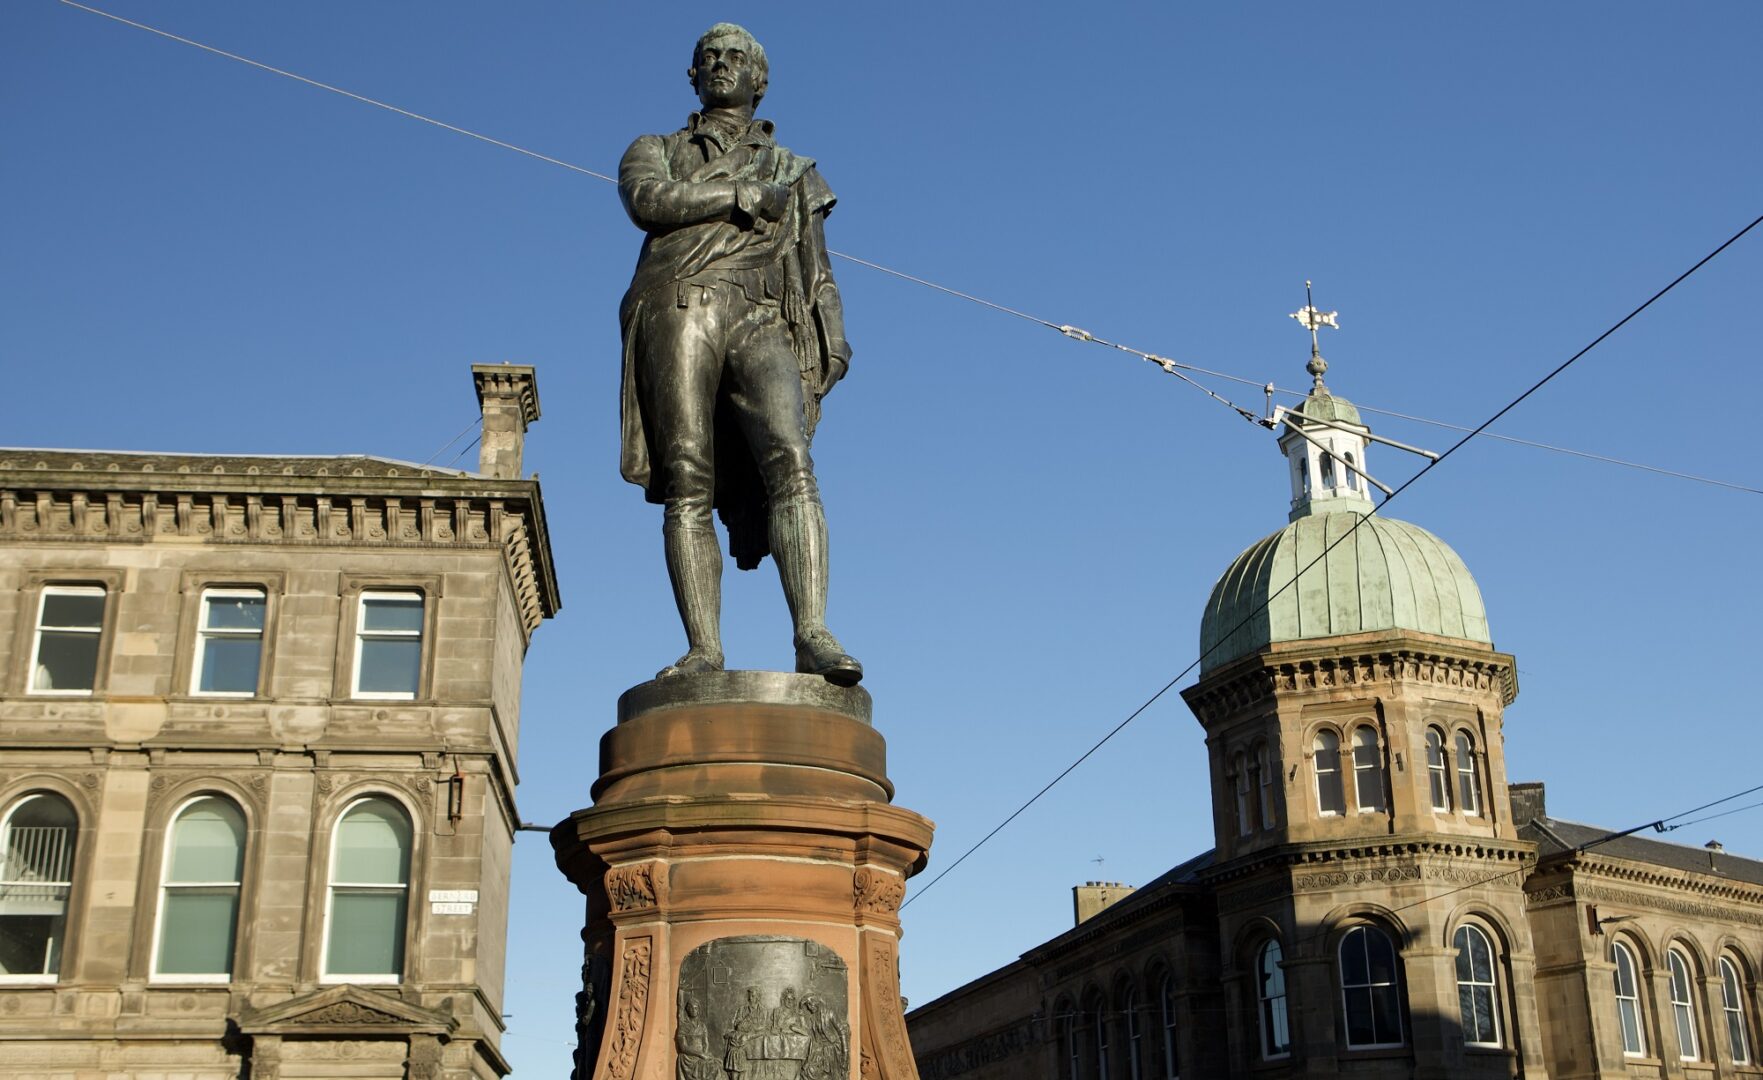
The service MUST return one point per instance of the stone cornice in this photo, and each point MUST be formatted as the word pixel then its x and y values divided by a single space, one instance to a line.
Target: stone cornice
pixel 1376 662
pixel 1638 874
pixel 351 502
pixel 1428 856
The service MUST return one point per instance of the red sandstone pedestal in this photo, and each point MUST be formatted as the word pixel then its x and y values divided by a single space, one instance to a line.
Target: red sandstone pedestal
pixel 744 871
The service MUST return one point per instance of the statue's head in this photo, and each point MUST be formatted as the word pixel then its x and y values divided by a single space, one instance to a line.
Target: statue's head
pixel 728 67
pixel 789 997
pixel 692 1007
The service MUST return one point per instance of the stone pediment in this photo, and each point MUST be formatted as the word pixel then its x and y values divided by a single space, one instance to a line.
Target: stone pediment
pixel 346 1010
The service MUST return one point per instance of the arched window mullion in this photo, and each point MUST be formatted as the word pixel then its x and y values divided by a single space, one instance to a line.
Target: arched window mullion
pixel 1270 995
pixel 1628 1001
pixel 1478 990
pixel 1326 760
pixel 1683 1004
pixel 368 899
pixel 1732 1010
pixel 200 878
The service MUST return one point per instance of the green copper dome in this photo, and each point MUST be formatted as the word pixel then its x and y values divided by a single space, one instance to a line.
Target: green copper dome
pixel 1387 575
pixel 1322 405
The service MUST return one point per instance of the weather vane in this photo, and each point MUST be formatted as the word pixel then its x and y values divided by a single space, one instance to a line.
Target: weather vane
pixel 1313 320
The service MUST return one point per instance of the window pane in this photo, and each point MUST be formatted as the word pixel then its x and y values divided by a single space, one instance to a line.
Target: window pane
pixel 243 613
pixel 196 931
pixel 1631 1028
pixel 73 609
pixel 392 613
pixel 66 661
pixel 373 846
pixel 367 933
pixel 1380 957
pixel 229 665
pixel 1485 1030
pixel 1354 969
pixel 30 944
pixel 1360 1030
pixel 208 844
pixel 390 667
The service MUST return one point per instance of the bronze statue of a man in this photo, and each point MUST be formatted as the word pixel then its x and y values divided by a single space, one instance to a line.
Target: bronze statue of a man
pixel 732 334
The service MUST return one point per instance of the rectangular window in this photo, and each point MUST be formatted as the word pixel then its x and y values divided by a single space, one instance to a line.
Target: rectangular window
pixel 70 627
pixel 229 642
pixel 388 645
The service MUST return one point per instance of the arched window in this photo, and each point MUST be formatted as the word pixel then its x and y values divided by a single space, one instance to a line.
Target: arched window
pixel 1329 797
pixel 1264 769
pixel 1068 1037
pixel 1327 469
pixel 1240 782
pixel 1371 989
pixel 1438 771
pixel 1098 1017
pixel 1367 769
pixel 199 891
pixel 1683 1005
pixel 1628 1000
pixel 1135 1036
pixel 1468 778
pixel 36 875
pixel 369 893
pixel 1478 990
pixel 1166 1001
pixel 1732 1007
pixel 1351 480
pixel 1270 993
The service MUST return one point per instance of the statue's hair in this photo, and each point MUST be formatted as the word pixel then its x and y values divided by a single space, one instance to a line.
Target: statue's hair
pixel 755 52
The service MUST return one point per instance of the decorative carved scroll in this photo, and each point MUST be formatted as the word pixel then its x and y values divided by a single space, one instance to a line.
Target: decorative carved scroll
pixel 632 888
pixel 632 1008
pixel 878 891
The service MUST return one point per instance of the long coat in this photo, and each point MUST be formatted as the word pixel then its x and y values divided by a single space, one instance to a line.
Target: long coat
pixel 662 182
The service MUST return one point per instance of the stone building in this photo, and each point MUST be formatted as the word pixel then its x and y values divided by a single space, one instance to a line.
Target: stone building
pixel 258 724
pixel 1380 901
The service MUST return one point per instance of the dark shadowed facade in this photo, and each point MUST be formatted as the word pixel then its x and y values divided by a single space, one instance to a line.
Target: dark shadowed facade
pixel 1380 901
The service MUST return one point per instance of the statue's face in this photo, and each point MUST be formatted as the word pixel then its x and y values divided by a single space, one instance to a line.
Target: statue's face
pixel 726 75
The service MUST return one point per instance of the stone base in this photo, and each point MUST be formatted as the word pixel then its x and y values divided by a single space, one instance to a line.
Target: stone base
pixel 744 873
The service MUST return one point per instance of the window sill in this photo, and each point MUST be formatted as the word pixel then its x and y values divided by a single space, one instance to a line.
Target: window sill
pixel 163 981
pixel 362 980
pixel 29 980
pixel 60 693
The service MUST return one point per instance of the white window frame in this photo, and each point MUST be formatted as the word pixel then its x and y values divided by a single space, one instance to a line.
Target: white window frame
pixel 204 632
pixel 47 977
pixel 330 893
pixel 1683 1004
pixel 1166 1002
pixel 1135 1037
pixel 154 974
pixel 1268 1005
pixel 1468 774
pixel 1370 988
pixel 1623 959
pixel 1732 1010
pixel 1073 1059
pixel 1438 771
pixel 362 634
pixel 31 687
pixel 1317 755
pixel 1375 768
pixel 1470 931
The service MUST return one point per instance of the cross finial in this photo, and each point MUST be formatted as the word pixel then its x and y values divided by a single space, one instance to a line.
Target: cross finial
pixel 1313 320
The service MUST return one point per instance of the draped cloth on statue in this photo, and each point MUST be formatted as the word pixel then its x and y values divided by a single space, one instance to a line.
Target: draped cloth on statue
pixel 782 263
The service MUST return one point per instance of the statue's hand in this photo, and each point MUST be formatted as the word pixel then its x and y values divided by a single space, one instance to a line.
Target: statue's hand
pixel 762 201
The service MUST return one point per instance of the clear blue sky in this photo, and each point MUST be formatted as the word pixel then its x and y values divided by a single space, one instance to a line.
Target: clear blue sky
pixel 200 256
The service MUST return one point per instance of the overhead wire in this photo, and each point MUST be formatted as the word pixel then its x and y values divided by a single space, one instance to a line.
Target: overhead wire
pixel 1323 554
pixel 1168 365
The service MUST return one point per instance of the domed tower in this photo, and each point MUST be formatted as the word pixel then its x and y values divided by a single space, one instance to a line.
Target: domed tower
pixel 1352 700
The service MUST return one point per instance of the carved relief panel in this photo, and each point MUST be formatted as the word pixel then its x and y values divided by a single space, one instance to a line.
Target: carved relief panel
pixel 762 1008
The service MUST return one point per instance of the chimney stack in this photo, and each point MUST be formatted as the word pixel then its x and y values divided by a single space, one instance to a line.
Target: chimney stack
pixel 508 394
pixel 1094 897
